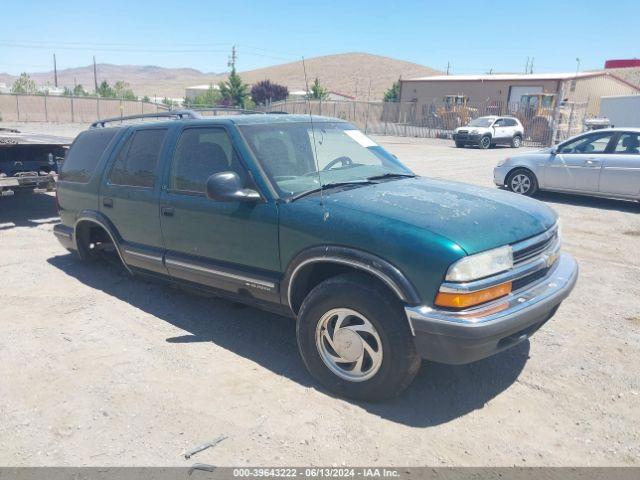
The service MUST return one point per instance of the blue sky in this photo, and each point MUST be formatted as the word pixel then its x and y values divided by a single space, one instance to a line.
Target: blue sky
pixel 473 36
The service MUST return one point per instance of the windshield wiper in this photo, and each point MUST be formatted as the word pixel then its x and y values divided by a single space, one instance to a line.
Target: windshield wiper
pixel 391 175
pixel 327 186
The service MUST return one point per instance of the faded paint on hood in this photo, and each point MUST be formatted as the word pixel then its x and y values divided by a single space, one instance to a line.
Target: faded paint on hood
pixel 475 218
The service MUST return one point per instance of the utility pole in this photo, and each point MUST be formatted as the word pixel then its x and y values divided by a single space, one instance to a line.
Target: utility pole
pixel 95 75
pixel 232 58
pixel 526 66
pixel 531 66
pixel 55 71
pixel 577 66
pixel 448 67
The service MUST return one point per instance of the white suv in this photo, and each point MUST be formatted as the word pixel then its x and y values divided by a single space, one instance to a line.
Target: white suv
pixel 488 131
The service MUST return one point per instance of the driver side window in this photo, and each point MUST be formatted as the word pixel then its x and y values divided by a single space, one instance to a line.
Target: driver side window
pixel 595 143
pixel 200 153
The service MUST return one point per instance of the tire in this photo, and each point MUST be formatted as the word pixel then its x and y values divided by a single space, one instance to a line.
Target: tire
pixel 516 141
pixel 522 181
pixel 376 338
pixel 459 145
pixel 485 142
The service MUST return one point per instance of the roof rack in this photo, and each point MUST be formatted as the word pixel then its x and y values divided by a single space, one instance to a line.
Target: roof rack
pixel 179 114
pixel 215 110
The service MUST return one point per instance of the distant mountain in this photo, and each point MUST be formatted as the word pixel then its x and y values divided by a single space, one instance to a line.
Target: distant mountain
pixel 348 73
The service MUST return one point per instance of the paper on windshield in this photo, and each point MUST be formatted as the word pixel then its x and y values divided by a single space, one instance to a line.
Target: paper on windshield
pixel 361 138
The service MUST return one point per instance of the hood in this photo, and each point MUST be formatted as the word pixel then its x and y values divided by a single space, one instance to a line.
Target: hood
pixel 475 218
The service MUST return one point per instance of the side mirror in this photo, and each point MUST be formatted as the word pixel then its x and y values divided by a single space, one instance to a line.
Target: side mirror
pixel 554 150
pixel 227 187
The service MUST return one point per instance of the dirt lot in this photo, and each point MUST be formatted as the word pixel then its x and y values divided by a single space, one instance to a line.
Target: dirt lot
pixel 97 368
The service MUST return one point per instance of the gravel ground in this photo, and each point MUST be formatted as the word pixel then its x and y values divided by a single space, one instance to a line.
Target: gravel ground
pixel 98 368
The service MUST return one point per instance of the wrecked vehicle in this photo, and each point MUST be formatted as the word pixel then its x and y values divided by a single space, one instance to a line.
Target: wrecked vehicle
pixel 308 217
pixel 28 161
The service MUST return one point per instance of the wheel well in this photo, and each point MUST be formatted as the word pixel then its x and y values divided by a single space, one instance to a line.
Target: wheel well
pixel 517 169
pixel 87 233
pixel 313 274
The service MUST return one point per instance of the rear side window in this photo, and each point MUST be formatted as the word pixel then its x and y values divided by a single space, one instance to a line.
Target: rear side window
pixel 83 157
pixel 509 122
pixel 136 163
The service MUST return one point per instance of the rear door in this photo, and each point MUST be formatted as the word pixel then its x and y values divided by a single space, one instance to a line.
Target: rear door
pixel 621 170
pixel 577 163
pixel 129 197
pixel 232 246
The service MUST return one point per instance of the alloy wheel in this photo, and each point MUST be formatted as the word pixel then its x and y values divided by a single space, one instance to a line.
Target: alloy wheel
pixel 520 183
pixel 349 344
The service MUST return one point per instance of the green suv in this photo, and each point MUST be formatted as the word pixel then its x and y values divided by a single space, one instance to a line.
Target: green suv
pixel 308 217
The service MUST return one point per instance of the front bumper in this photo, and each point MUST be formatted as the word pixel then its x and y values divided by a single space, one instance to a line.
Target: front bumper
pixel 500 175
pixel 466 137
pixel 458 337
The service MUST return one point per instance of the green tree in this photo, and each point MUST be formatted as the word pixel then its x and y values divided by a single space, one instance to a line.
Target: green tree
pixel 121 89
pixel 24 84
pixel 79 91
pixel 393 94
pixel 146 99
pixel 211 97
pixel 234 93
pixel 105 90
pixel 318 92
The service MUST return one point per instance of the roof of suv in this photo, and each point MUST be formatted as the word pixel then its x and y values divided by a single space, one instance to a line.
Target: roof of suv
pixel 246 119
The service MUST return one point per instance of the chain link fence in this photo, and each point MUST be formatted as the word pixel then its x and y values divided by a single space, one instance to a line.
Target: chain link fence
pixel 62 109
pixel 544 122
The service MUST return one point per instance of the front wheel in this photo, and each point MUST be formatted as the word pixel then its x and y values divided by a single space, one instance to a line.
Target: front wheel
pixel 523 182
pixel 354 339
pixel 485 142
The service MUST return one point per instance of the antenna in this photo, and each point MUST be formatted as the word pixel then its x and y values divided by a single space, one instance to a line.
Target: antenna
pixel 313 133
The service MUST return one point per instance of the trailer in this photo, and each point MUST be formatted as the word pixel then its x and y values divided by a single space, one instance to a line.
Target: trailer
pixel 29 161
pixel 621 110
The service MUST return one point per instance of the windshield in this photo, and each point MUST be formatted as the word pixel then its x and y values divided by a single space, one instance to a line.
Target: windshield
pixel 481 122
pixel 344 154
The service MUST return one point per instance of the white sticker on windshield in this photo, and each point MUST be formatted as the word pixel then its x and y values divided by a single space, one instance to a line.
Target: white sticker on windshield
pixel 361 138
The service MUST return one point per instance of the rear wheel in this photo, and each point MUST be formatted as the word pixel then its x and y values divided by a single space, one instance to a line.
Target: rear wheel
pixel 522 181
pixel 485 142
pixel 516 141
pixel 354 338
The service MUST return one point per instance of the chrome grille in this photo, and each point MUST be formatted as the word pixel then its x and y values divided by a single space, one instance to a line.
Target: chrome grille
pixel 529 249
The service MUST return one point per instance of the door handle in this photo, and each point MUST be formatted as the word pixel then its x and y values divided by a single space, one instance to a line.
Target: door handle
pixel 592 163
pixel 107 202
pixel 167 211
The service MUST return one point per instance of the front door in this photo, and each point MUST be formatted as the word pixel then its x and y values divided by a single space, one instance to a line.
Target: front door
pixel 500 129
pixel 621 170
pixel 129 197
pixel 231 246
pixel 577 163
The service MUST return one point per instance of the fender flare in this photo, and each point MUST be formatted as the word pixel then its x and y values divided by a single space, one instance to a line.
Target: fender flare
pixel 389 274
pixel 100 219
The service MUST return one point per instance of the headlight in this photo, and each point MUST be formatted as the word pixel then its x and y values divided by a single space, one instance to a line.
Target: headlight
pixel 481 265
pixel 474 132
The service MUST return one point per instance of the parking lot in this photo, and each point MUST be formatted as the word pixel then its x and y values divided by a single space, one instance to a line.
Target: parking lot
pixel 99 368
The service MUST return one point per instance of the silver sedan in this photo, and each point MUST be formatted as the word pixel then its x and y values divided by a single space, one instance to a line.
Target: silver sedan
pixel 603 163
